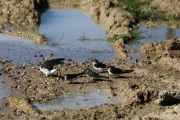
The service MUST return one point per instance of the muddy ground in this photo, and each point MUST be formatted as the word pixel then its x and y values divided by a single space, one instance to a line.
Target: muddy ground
pixel 150 92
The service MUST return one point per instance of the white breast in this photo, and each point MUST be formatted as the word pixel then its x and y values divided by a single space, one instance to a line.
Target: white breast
pixel 110 72
pixel 98 69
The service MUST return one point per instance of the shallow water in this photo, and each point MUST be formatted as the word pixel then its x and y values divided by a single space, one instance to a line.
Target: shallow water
pixel 78 100
pixel 56 24
pixel 147 35
pixel 65 27
pixel 176 33
pixel 3 88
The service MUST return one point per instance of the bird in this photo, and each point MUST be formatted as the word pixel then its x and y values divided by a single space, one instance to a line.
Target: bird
pixel 49 64
pixel 99 66
pixel 47 72
pixel 94 75
pixel 72 77
pixel 113 71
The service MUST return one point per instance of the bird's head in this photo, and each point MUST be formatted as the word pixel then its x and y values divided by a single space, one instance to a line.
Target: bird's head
pixel 39 68
pixel 95 60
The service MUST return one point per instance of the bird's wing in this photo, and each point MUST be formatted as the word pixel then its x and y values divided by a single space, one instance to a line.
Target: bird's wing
pixel 100 65
pixel 49 64
pixel 117 70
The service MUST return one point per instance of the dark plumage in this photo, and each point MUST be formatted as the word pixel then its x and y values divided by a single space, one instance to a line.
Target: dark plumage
pixel 99 66
pixel 94 75
pixel 114 71
pixel 72 77
pixel 49 64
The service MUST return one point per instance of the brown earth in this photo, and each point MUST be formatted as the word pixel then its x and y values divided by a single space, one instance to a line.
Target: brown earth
pixel 142 96
pixel 168 7
pixel 150 92
pixel 160 47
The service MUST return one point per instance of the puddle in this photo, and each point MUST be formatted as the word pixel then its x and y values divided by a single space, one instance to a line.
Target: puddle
pixel 176 33
pixel 80 100
pixel 3 88
pixel 75 35
pixel 71 34
pixel 156 34
pixel 22 50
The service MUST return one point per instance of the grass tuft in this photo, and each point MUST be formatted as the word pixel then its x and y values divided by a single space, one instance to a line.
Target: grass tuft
pixel 141 9
pixel 126 37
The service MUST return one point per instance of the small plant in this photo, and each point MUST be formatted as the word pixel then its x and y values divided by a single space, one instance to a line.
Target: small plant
pixel 96 51
pixel 115 37
pixel 133 35
pixel 84 38
pixel 56 43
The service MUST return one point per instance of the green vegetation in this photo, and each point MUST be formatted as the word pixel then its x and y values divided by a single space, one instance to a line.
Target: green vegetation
pixel 83 38
pixel 140 9
pixel 126 37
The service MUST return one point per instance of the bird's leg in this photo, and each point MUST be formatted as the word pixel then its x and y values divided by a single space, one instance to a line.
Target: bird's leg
pixel 46 75
pixel 92 79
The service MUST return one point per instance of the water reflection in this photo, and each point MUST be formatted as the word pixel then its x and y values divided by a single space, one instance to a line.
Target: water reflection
pixel 77 101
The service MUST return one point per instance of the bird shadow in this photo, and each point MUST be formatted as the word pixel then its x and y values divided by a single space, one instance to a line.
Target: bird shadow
pixel 127 71
pixel 101 80
pixel 54 76
pixel 80 83
pixel 122 77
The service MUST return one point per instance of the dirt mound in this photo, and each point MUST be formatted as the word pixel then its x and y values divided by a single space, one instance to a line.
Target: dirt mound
pixel 160 47
pixel 168 7
pixel 19 13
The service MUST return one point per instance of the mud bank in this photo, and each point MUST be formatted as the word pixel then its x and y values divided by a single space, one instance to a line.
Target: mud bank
pixel 170 8
pixel 36 37
pixel 142 96
pixel 166 53
pixel 20 13
pixel 160 47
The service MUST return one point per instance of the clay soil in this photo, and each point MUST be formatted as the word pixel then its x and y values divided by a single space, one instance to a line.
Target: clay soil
pixel 150 92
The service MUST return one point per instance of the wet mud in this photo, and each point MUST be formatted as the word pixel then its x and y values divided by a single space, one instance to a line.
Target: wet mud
pixel 136 90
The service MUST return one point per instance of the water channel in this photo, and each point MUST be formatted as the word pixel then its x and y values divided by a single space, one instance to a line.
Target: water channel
pixel 75 36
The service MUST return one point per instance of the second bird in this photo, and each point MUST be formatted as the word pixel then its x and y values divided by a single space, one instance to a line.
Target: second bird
pixel 99 66
pixel 94 75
